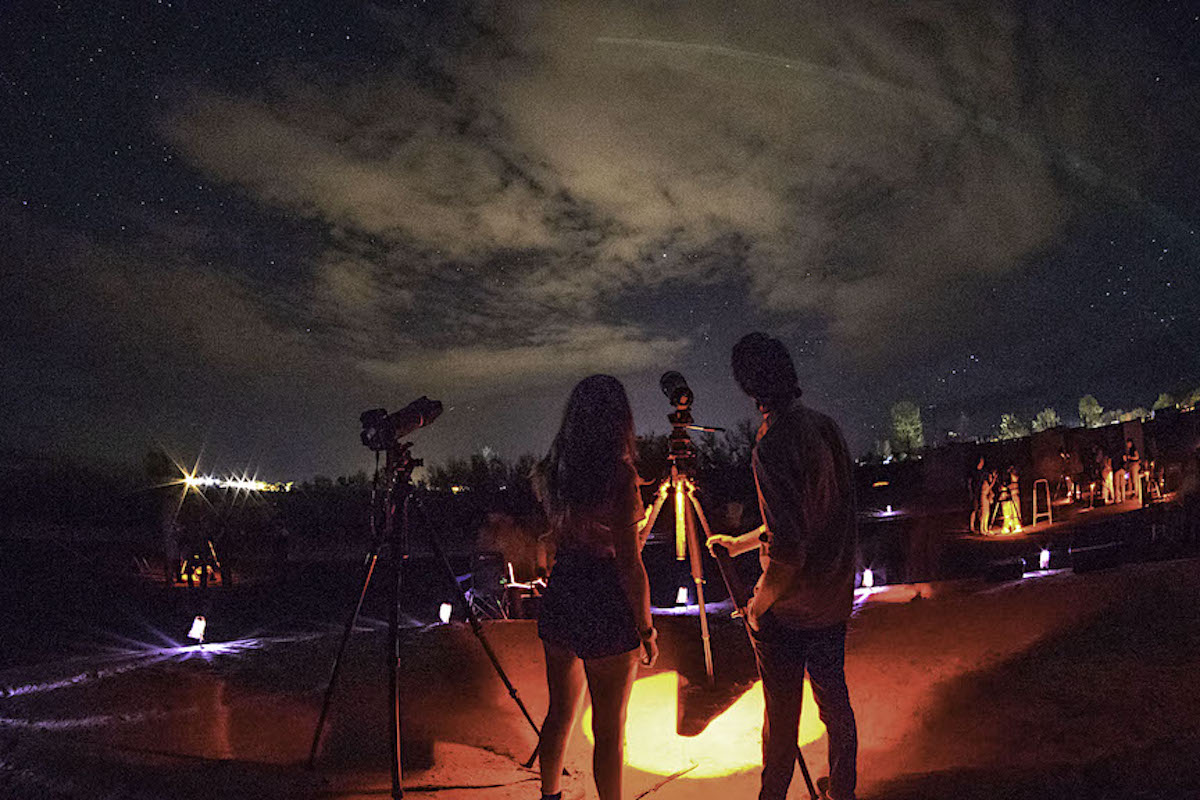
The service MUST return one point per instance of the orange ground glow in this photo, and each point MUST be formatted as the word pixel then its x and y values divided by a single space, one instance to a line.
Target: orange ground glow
pixel 731 743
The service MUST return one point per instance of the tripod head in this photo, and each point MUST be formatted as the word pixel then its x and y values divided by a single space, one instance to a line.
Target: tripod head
pixel 681 450
pixel 400 462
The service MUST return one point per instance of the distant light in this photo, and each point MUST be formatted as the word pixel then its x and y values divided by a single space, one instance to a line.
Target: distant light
pixel 868 577
pixel 243 483
pixel 681 596
pixel 444 612
pixel 1044 559
pixel 889 508
pixel 879 484
pixel 197 631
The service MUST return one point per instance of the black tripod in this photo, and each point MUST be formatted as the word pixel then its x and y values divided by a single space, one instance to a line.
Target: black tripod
pixel 399 493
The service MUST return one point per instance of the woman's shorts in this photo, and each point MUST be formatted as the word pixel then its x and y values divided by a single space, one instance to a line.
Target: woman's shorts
pixel 585 610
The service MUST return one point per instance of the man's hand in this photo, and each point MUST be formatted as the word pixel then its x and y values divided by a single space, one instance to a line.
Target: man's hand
pixel 724 540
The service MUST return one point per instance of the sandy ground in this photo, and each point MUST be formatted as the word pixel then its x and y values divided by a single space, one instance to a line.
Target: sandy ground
pixel 1057 686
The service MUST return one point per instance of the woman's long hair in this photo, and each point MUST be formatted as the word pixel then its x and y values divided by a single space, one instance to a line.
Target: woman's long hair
pixel 595 439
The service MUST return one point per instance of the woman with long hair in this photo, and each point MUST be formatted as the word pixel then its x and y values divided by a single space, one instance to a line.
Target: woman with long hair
pixel 595 615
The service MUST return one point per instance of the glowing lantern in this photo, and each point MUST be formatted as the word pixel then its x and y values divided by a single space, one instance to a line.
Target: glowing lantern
pixel 681 597
pixel 1044 559
pixel 731 743
pixel 444 612
pixel 868 579
pixel 197 631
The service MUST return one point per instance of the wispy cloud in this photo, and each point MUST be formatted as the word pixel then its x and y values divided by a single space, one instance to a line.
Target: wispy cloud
pixel 845 173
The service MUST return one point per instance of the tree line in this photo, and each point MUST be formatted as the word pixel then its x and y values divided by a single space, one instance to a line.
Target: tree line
pixel 908 430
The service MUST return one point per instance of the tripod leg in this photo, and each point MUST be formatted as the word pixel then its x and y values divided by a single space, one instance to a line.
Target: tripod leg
pixel 697 567
pixel 660 498
pixel 476 627
pixel 372 558
pixel 394 670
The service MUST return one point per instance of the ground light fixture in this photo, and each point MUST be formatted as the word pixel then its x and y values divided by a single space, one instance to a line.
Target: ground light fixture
pixel 197 631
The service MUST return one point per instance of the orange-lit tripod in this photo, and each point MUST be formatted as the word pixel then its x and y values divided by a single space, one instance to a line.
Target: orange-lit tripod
pixel 681 485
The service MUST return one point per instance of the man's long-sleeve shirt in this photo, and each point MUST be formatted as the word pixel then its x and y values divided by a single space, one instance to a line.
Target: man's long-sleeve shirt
pixel 805 481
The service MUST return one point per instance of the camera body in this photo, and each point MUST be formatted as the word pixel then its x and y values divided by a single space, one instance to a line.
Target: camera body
pixel 381 430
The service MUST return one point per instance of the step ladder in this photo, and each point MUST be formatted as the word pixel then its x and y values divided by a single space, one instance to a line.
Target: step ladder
pixel 1047 512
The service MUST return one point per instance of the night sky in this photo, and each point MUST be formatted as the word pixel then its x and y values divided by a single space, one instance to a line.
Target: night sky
pixel 229 228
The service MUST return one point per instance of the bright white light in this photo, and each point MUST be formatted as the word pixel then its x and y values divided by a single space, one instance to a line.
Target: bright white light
pixel 889 508
pixel 1044 559
pixel 444 612
pixel 681 596
pixel 868 577
pixel 243 483
pixel 197 631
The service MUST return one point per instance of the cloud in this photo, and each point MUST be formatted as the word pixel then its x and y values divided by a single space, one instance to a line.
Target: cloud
pixel 854 169
pixel 861 173
pixel 385 159
pixel 551 356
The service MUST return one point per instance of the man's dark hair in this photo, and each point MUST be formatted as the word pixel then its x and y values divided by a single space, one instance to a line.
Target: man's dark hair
pixel 764 369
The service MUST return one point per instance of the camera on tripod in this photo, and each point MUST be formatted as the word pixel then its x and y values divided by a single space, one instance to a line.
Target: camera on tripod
pixel 681 451
pixel 381 430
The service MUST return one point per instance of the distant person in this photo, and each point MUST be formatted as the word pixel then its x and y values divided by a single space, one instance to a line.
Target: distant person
pixel 595 615
pixel 1120 477
pixel 1009 514
pixel 1106 478
pixel 987 496
pixel 1014 493
pixel 1133 463
pixel 807 546
pixel 974 482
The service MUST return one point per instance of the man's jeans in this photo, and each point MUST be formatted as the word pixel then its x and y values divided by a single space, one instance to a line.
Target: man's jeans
pixel 783 654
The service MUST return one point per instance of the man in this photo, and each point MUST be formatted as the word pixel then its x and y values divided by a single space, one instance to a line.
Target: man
pixel 807 545
pixel 1133 463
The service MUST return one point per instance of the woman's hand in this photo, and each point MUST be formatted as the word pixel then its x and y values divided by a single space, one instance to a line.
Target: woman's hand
pixel 649 647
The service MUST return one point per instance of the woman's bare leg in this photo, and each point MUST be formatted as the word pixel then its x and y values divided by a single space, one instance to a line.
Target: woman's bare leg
pixel 610 681
pixel 564 678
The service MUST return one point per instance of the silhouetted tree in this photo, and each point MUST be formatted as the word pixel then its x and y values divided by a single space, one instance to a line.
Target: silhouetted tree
pixel 1046 419
pixel 1091 413
pixel 1164 401
pixel 1012 427
pixel 908 432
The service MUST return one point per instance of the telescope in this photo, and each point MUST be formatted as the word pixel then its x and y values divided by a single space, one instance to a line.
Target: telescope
pixel 381 430
pixel 675 387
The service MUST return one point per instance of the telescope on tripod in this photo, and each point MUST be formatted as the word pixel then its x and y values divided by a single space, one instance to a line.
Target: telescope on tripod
pixel 681 486
pixel 393 491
